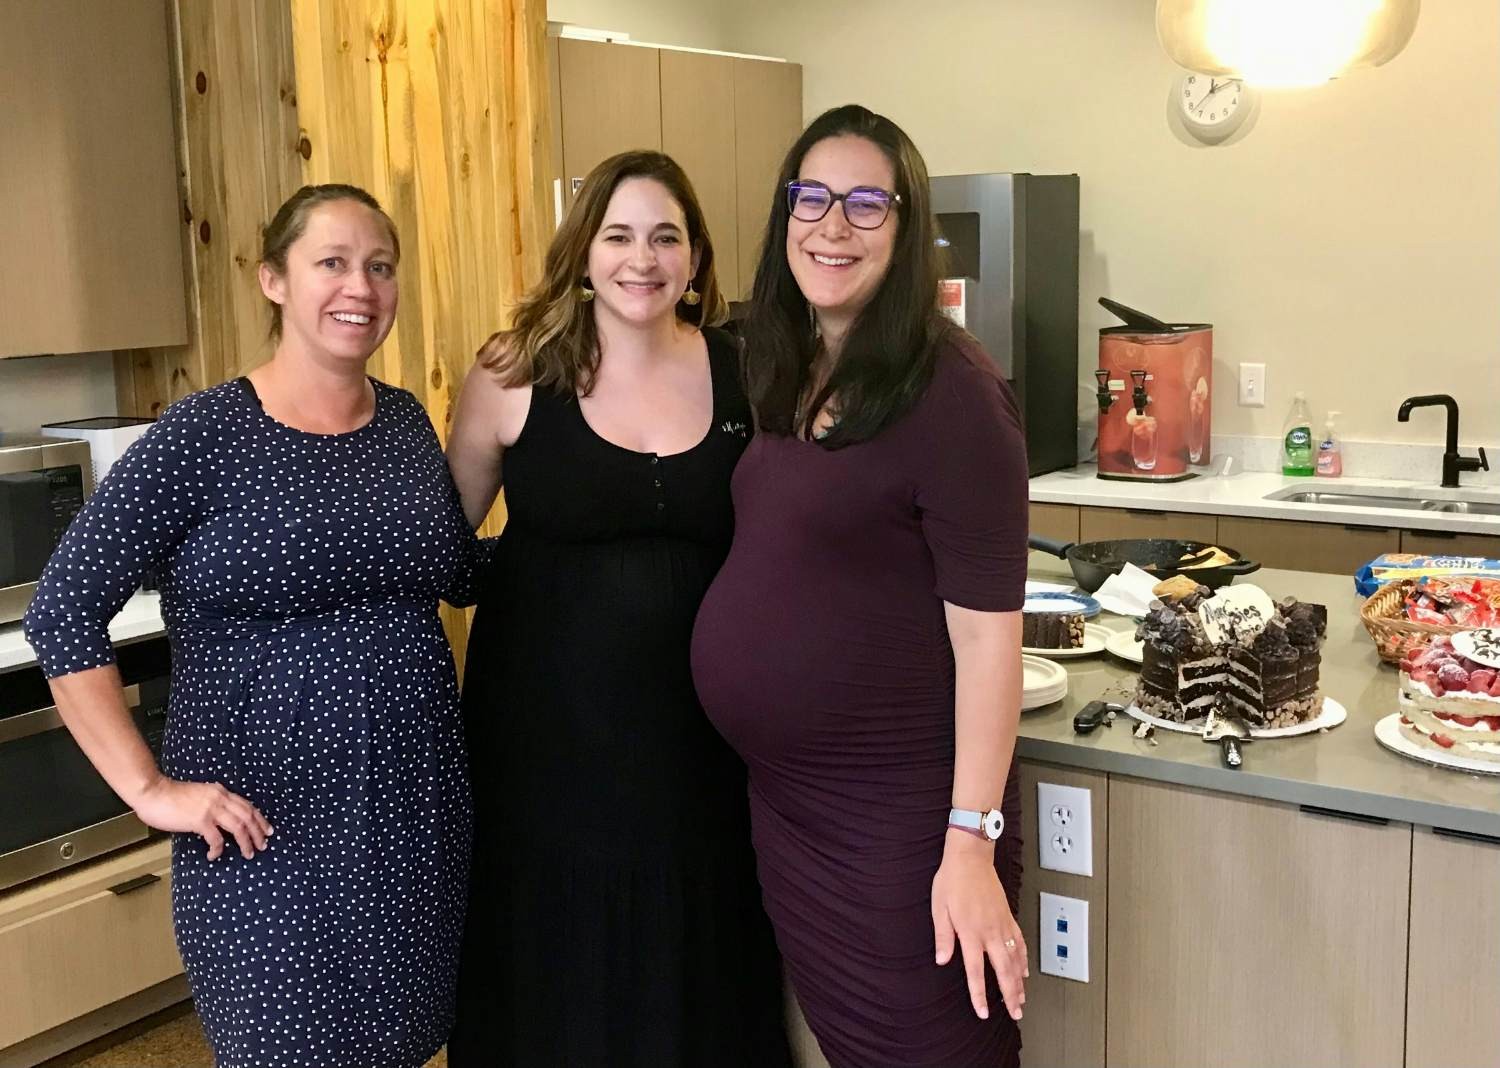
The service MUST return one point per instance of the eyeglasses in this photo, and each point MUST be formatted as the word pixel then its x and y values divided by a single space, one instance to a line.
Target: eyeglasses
pixel 865 206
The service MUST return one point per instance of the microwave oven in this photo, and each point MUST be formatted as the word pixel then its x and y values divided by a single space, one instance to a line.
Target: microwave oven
pixel 43 484
pixel 55 809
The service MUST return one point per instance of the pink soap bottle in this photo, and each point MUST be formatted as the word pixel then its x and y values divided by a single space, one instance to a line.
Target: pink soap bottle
pixel 1330 462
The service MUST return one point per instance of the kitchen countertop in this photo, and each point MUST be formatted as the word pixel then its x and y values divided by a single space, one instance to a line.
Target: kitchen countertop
pixel 140 618
pixel 1343 769
pixel 1243 494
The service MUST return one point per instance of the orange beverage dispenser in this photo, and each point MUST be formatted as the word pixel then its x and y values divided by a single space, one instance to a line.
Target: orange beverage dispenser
pixel 1155 390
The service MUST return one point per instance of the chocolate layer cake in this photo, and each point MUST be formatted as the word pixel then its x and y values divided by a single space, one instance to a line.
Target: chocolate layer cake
pixel 1264 669
pixel 1043 629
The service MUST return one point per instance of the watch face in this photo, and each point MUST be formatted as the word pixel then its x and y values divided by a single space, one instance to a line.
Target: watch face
pixel 1209 102
pixel 994 823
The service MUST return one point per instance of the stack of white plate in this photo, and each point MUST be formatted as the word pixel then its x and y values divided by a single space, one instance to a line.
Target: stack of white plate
pixel 1042 682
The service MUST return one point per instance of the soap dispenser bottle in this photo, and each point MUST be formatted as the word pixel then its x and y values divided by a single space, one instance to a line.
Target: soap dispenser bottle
pixel 1330 451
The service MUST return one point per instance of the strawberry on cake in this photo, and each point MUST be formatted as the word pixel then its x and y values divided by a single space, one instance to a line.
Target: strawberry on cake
pixel 1451 702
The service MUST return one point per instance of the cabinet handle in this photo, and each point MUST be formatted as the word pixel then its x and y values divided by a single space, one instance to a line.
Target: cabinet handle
pixel 1442 535
pixel 1356 528
pixel 1145 511
pixel 1333 813
pixel 1467 836
pixel 140 882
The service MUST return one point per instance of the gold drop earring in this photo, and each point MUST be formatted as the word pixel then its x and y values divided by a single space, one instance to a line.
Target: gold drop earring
pixel 691 297
pixel 585 293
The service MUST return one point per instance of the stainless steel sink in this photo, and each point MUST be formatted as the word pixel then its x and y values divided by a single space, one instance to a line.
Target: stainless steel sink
pixel 1357 499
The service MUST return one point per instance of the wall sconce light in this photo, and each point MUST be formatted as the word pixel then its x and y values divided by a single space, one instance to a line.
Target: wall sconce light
pixel 1284 43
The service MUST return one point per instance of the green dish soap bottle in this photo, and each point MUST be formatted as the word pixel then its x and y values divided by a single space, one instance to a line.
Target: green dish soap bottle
pixel 1297 439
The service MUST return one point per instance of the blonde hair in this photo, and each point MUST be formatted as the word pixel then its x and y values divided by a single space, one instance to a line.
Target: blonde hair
pixel 552 340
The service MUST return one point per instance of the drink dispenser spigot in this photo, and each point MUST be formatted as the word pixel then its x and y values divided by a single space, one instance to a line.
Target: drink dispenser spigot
pixel 1106 398
pixel 1138 396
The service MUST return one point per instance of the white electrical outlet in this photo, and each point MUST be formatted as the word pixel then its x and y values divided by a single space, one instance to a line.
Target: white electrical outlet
pixel 1064 828
pixel 1064 931
pixel 1252 385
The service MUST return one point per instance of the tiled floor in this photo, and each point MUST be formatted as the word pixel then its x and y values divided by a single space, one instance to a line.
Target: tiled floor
pixel 171 1039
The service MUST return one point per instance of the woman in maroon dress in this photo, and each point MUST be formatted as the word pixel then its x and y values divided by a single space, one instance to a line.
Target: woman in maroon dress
pixel 861 645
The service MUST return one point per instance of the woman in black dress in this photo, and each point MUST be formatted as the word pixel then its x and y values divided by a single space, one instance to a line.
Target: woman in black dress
pixel 614 917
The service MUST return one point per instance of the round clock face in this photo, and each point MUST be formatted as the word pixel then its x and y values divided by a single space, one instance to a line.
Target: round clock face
pixel 1211 104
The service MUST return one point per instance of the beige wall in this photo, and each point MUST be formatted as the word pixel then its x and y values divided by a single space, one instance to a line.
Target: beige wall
pixel 1351 241
pixel 701 24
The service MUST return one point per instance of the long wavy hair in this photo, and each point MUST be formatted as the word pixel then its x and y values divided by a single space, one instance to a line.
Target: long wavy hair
pixel 552 340
pixel 887 358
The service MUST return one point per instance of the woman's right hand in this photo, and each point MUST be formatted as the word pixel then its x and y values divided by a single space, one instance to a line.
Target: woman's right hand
pixel 206 809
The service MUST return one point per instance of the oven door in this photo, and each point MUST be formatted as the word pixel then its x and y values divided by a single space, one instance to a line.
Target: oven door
pixel 57 810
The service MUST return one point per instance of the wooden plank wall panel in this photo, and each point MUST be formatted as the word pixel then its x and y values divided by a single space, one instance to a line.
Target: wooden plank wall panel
pixel 235 97
pixel 439 108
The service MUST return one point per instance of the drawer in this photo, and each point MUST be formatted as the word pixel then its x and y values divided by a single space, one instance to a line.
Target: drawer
pixel 1107 524
pixel 1326 547
pixel 1058 521
pixel 86 951
pixel 1442 543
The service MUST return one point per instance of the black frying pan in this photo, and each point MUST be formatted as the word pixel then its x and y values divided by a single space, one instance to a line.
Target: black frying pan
pixel 1094 561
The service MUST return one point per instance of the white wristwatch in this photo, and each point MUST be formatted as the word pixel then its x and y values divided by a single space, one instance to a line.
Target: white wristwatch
pixel 985 824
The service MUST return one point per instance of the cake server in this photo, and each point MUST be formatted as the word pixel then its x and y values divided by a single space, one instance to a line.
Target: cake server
pixel 1231 733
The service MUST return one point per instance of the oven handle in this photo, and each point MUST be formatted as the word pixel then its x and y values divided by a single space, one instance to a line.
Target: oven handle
pixel 46 719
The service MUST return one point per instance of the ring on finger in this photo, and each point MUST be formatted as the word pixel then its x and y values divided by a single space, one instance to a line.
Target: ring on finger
pixel 1010 943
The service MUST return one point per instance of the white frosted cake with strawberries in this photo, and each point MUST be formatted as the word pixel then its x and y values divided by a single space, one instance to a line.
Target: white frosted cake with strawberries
pixel 1450 701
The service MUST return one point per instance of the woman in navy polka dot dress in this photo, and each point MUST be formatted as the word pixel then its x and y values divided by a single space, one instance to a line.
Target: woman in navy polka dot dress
pixel 305 526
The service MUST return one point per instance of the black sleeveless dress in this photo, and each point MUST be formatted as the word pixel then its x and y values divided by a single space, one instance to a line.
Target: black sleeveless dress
pixel 614 914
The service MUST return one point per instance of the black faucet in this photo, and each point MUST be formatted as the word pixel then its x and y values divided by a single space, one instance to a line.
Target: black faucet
pixel 1453 463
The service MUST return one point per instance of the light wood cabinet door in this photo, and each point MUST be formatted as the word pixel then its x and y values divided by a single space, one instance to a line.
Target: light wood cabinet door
pixel 1063 1026
pixel 1108 524
pixel 1441 543
pixel 1453 977
pixel 1058 521
pixel 611 103
pixel 767 120
pixel 90 256
pixel 1247 933
pixel 84 940
pixel 1325 547
pixel 697 130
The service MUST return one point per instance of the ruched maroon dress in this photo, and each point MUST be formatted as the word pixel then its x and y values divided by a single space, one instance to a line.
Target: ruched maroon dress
pixel 822 654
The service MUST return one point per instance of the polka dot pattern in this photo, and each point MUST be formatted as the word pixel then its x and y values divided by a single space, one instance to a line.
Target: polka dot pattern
pixel 300 575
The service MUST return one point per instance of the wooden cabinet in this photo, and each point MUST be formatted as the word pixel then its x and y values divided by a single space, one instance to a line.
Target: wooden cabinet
pixel 1442 543
pixel 727 119
pixel 85 939
pixel 1106 524
pixel 610 103
pixel 698 131
pixel 1453 977
pixel 767 120
pixel 1296 546
pixel 1063 1025
pixel 1246 933
pixel 90 255
pixel 1058 521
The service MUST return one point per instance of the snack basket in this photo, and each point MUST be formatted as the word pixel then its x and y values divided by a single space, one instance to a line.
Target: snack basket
pixel 1395 635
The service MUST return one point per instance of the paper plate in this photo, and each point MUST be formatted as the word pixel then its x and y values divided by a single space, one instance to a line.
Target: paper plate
pixel 1332 715
pixel 1125 645
pixel 1095 639
pixel 1081 603
pixel 1389 734
pixel 1042 682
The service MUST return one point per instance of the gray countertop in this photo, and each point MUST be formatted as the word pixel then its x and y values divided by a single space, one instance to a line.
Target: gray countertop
pixel 1343 769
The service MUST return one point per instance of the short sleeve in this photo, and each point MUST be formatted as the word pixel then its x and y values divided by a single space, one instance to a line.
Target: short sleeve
pixel 152 496
pixel 972 486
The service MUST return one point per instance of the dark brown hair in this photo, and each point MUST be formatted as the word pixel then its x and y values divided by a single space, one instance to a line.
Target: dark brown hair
pixel 290 221
pixel 552 340
pixel 887 357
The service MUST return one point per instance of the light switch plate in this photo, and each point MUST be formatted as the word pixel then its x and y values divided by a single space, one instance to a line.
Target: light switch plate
pixel 1065 828
pixel 1064 931
pixel 1252 385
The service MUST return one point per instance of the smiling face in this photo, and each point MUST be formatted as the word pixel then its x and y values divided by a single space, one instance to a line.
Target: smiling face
pixel 338 293
pixel 640 261
pixel 837 266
